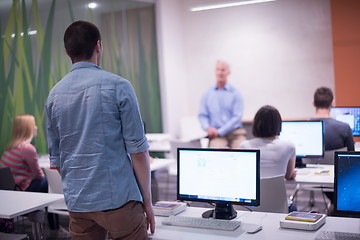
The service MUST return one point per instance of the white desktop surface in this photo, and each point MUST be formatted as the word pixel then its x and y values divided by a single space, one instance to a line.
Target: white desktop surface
pixel 269 221
pixel 159 142
pixel 310 175
pixel 161 163
pixel 357 146
pixel 157 137
pixel 16 203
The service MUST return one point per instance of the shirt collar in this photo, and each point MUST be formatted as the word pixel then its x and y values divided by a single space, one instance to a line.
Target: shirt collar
pixel 226 87
pixel 83 64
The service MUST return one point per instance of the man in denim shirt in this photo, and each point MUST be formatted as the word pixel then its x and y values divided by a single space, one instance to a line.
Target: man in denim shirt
pixel 97 142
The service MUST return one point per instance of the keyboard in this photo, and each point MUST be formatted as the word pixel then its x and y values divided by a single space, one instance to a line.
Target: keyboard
pixel 329 235
pixel 206 223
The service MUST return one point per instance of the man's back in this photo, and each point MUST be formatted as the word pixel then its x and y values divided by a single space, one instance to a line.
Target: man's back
pixel 93 112
pixel 337 135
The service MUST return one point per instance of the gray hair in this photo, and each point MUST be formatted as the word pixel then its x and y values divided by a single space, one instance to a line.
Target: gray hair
pixel 224 62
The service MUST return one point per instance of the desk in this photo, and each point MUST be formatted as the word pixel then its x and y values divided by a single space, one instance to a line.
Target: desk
pixel 159 142
pixel 161 163
pixel 309 175
pixel 309 179
pixel 357 146
pixel 17 203
pixel 157 164
pixel 269 221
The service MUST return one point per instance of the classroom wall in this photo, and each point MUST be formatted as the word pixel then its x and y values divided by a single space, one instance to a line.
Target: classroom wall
pixel 279 53
pixel 171 59
pixel 346 45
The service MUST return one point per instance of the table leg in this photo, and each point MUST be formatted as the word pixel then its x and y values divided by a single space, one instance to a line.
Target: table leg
pixel 38 231
pixel 154 187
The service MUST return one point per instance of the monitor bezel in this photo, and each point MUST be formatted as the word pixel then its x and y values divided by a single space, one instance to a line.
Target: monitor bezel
pixel 323 138
pixel 344 107
pixel 342 213
pixel 256 201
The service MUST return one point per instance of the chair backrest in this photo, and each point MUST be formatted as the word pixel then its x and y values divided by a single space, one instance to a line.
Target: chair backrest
pixel 273 195
pixel 190 128
pixel 7 181
pixel 54 181
pixel 175 144
pixel 55 186
pixel 327 159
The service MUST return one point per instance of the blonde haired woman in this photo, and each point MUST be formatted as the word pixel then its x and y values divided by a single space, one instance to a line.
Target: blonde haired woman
pixel 21 156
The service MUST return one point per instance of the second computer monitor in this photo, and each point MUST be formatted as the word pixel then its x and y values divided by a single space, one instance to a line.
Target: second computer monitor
pixel 347 184
pixel 307 136
pixel 349 115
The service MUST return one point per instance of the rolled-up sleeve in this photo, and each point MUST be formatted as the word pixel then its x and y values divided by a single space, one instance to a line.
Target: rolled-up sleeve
pixel 137 146
pixel 133 131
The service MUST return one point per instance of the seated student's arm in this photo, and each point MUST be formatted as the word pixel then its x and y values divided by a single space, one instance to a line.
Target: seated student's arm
pixel 141 166
pixel 290 170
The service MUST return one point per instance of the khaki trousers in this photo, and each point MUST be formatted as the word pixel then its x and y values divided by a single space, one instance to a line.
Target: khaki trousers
pixel 230 140
pixel 127 222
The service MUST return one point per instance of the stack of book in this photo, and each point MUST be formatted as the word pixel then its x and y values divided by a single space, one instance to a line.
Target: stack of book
pixel 165 208
pixel 303 216
pixel 303 220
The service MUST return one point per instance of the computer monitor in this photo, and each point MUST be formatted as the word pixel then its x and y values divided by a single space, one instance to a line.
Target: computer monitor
pixel 307 136
pixel 221 176
pixel 349 115
pixel 347 184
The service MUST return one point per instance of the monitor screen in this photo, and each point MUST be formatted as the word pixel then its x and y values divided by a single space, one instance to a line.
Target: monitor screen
pixel 347 184
pixel 349 115
pixel 220 176
pixel 307 136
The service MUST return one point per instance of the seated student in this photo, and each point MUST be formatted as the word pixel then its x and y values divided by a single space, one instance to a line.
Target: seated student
pixel 21 157
pixel 337 134
pixel 277 156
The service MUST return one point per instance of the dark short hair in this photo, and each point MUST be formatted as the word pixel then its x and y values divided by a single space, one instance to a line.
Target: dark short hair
pixel 267 122
pixel 80 39
pixel 323 97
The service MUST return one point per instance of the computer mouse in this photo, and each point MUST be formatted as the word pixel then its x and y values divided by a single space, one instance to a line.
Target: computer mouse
pixel 253 229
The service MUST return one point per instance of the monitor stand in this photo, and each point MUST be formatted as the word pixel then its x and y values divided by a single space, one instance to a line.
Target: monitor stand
pixel 222 211
pixel 299 163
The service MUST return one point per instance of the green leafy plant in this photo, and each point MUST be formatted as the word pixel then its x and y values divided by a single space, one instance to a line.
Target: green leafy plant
pixel 25 65
pixel 31 64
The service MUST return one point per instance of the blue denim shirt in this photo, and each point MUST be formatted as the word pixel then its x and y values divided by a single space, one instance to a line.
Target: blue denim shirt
pixel 93 124
pixel 221 109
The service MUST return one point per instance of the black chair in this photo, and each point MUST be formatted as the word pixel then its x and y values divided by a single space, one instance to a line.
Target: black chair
pixel 7 181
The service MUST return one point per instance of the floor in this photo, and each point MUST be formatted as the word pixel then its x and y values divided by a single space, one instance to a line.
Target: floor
pixel 167 191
